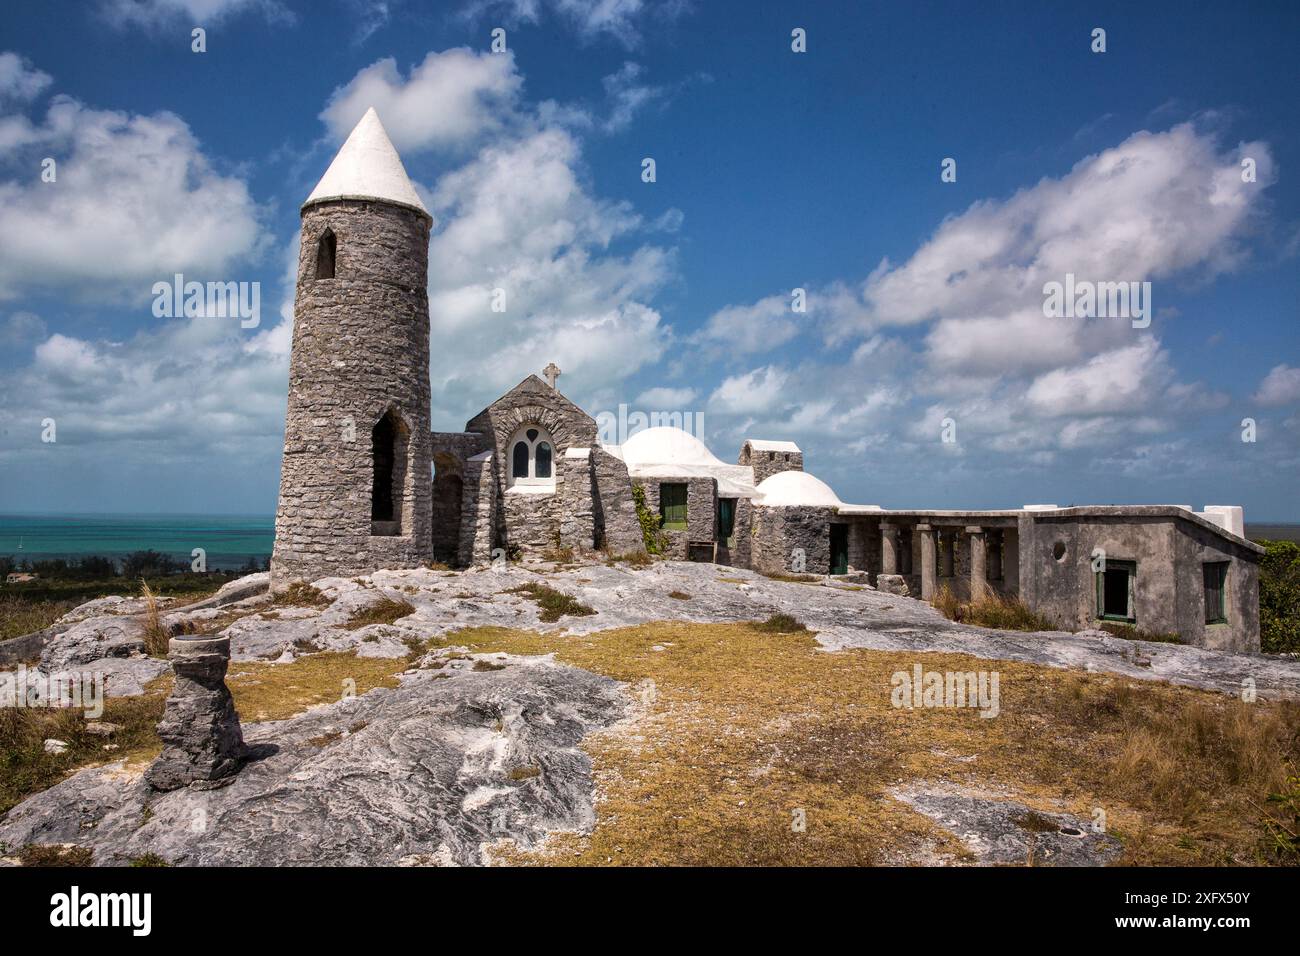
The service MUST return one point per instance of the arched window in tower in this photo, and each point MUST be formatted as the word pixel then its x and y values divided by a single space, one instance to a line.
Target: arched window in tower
pixel 532 454
pixel 325 250
pixel 388 446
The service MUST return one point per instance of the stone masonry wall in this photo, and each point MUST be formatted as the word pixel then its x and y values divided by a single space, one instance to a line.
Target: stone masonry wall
pixel 360 348
pixel 617 528
pixel 778 532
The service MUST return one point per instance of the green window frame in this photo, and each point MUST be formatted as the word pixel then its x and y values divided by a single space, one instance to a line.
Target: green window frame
pixel 672 506
pixel 1118 582
pixel 1214 576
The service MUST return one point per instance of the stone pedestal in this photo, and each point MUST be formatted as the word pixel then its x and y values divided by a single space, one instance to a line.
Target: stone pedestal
pixel 929 560
pixel 203 745
pixel 978 564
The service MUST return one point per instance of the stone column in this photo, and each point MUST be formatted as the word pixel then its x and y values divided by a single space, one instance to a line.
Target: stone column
pixel 946 553
pixel 888 548
pixel 928 588
pixel 203 745
pixel 978 563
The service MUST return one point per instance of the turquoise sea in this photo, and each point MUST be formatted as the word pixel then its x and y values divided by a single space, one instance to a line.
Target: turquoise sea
pixel 229 540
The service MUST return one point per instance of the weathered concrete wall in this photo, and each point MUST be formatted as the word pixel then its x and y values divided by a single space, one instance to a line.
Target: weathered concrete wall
pixel 360 348
pixel 1193 547
pixel 780 532
pixel 1168 591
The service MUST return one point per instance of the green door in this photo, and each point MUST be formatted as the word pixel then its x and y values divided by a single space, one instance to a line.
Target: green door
pixel 726 520
pixel 839 549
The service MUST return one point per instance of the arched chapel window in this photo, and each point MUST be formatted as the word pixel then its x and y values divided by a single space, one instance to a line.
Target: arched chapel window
pixel 532 459
pixel 325 250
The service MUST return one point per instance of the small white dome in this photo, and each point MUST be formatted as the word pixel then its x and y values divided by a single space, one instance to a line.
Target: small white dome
pixel 791 489
pixel 665 445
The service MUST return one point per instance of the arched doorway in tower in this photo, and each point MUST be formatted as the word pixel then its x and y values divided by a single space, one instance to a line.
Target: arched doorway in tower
pixel 389 444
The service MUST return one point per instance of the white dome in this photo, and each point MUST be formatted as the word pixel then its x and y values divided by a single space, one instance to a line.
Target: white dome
pixel 665 445
pixel 789 489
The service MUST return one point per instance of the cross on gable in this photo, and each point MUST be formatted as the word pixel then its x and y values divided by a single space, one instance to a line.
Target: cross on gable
pixel 551 372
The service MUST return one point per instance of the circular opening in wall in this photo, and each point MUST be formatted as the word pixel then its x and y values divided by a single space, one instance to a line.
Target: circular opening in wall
pixel 1072 831
pixel 1058 551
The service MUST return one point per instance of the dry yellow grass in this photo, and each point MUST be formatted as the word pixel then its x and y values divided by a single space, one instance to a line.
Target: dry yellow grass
pixel 737 730
pixel 277 691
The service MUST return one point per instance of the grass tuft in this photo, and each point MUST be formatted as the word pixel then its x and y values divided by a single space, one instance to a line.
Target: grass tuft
pixel 386 611
pixel 553 604
pixel 781 624
pixel 51 854
pixel 156 636
pixel 992 611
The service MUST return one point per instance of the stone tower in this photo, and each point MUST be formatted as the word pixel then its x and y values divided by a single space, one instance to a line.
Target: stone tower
pixel 355 484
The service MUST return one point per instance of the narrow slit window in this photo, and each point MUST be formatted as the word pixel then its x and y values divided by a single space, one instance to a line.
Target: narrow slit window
pixel 325 250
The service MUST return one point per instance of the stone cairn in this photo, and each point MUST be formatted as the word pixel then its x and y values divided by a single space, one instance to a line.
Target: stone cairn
pixel 203 745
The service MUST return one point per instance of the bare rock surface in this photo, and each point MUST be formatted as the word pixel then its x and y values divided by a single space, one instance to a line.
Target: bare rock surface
pixel 998 830
pixel 842 616
pixel 433 771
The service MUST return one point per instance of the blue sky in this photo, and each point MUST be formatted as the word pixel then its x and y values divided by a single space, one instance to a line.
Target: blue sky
pixel 775 170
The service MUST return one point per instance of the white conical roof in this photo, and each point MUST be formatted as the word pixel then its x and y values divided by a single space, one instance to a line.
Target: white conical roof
pixel 367 167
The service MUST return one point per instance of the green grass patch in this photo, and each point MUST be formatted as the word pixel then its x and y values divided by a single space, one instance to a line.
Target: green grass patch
pixel 386 611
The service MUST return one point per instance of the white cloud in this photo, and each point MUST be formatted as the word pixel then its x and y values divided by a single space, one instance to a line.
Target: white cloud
pixel 450 100
pixel 749 329
pixel 156 13
pixel 21 328
pixel 758 390
pixel 664 399
pixel 1126 380
pixel 1281 386
pixel 618 19
pixel 135 201
pixel 19 80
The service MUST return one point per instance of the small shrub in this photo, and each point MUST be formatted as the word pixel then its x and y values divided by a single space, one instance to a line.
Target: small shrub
pixel 44 854
pixel 782 624
pixel 386 611
pixel 149 859
pixel 524 773
pixel 656 540
pixel 1283 824
pixel 679 595
pixel 554 604
pixel 488 666
pixel 558 555
pixel 995 612
pixel 1279 598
